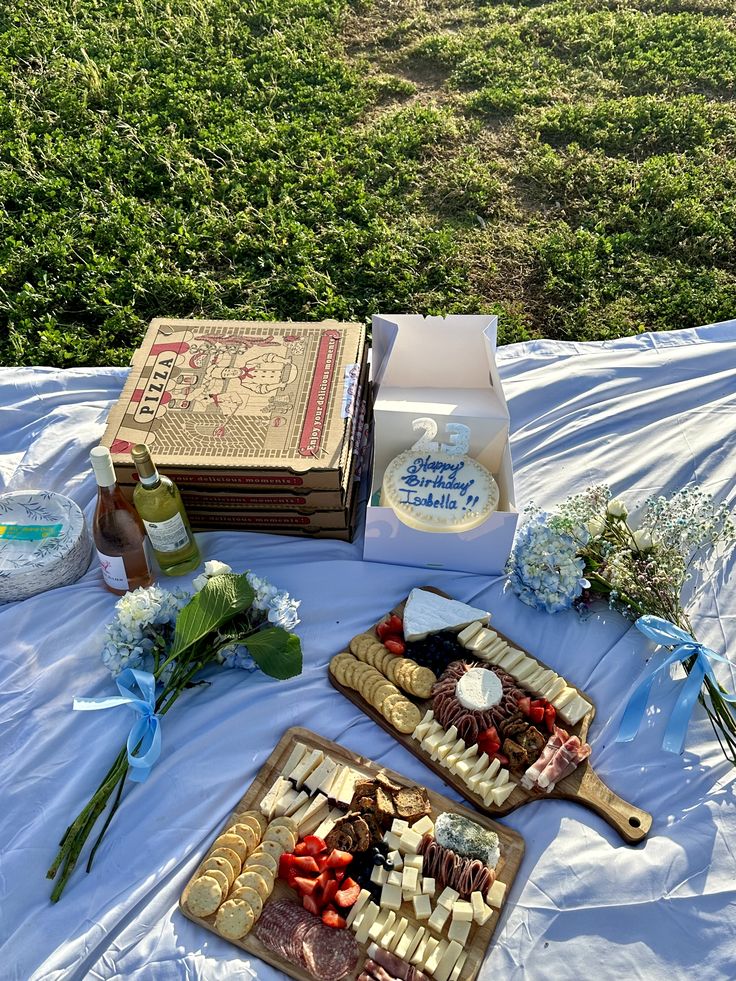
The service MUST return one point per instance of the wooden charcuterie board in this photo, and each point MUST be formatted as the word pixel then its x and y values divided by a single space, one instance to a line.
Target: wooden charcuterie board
pixel 511 846
pixel 582 786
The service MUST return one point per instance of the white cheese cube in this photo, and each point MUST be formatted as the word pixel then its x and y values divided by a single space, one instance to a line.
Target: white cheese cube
pixel 368 918
pixel 556 688
pixel 432 945
pixel 414 862
pixel 381 923
pixel 481 764
pixel 430 743
pixel 410 842
pixel 501 794
pixel 459 930
pixel 575 710
pixel 476 780
pixel 394 878
pixel 448 960
pixel 440 916
pixel 462 911
pixel 430 965
pixel 457 751
pixel 428 886
pixel 459 965
pixel 409 879
pixel 422 907
pixel 496 893
pixel 565 698
pixel 398 933
pixel 393 841
pixel 402 946
pixel 424 825
pixel 442 751
pixel 477 903
pixel 391 897
pixel 398 826
pixel 464 768
pixel 467 633
pixel 448 897
pixel 484 916
pixel 396 859
pixel 379 875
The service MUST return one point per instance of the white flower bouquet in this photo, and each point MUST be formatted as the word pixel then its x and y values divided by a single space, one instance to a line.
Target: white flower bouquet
pixel 590 548
pixel 158 643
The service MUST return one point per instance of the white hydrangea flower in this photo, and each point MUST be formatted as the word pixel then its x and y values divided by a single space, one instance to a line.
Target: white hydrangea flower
pixel 216 568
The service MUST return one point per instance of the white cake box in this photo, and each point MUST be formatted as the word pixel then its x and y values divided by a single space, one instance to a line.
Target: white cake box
pixel 444 368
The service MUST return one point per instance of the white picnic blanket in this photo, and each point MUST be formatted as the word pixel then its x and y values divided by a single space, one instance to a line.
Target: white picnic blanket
pixel 646 414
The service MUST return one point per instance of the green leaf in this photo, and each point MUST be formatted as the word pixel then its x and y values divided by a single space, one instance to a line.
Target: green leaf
pixel 221 599
pixel 276 652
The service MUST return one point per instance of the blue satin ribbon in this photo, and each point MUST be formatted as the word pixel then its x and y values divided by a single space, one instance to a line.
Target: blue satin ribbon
pixel 146 730
pixel 685 646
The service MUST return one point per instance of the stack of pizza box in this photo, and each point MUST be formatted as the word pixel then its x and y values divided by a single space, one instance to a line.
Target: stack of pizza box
pixel 263 426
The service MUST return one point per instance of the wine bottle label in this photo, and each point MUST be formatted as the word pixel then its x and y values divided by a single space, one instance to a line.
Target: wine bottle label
pixel 113 570
pixel 169 535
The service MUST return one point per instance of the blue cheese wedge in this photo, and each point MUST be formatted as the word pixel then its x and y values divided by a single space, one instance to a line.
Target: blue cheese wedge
pixel 427 613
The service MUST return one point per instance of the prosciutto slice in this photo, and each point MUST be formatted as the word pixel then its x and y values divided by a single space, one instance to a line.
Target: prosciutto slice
pixel 394 965
pixel 567 758
pixel 554 743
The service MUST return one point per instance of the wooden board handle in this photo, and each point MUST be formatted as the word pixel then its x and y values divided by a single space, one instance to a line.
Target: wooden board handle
pixel 631 822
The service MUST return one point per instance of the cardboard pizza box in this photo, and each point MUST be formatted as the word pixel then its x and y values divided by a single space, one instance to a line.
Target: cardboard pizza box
pixel 259 405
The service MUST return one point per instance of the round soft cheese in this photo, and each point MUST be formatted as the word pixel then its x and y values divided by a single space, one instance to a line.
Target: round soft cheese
pixel 44 543
pixel 479 689
pixel 436 491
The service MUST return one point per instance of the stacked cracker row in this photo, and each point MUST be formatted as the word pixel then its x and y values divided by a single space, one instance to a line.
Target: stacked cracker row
pixel 239 872
pixel 486 645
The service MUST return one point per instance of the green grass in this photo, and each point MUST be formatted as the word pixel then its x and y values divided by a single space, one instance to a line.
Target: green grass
pixel 566 166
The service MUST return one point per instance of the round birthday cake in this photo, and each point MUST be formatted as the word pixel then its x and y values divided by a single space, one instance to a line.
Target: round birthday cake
pixel 432 490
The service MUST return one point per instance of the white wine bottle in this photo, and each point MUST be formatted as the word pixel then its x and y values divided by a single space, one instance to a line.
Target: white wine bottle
pixel 119 535
pixel 158 501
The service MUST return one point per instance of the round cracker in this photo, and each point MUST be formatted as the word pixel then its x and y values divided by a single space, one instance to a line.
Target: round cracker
pixel 285 822
pixel 282 836
pixel 258 881
pixel 204 896
pixel 424 681
pixel 228 853
pixel 250 822
pixel 261 859
pixel 218 862
pixel 405 717
pixel 251 897
pixel 234 919
pixel 233 842
pixel 248 835
pixel 221 878
pixel 270 847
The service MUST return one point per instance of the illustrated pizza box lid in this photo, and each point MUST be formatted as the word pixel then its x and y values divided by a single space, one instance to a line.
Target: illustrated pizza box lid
pixel 262 404
pixel 44 543
pixel 443 368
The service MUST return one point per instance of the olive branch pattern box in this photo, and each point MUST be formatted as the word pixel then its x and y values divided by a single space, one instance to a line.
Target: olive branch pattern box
pixel 254 406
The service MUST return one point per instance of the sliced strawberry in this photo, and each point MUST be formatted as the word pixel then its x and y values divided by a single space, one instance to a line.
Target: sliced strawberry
pixel 332 918
pixel 348 893
pixel 338 859
pixel 537 713
pixel 287 872
pixel 305 863
pixel 395 645
pixel 339 874
pixel 549 717
pixel 300 848
pixel 322 879
pixel 330 891
pixel 524 705
pixel 309 903
pixel 313 845
pixel 321 861
pixel 305 886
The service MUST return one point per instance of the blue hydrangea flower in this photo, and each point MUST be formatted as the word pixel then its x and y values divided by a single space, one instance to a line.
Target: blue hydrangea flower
pixel 544 569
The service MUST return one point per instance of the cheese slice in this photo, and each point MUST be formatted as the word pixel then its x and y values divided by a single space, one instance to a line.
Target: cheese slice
pixel 311 823
pixel 284 802
pixel 463 768
pixel 553 689
pixel 402 947
pixel 431 964
pixel 467 633
pixel 369 917
pixel 418 956
pixel 544 678
pixel 459 931
pixel 328 823
pixel 576 709
pixel 500 794
pixel 320 774
pixel 308 810
pixel 482 639
pixel 510 658
pixel 295 757
pixel 381 923
pixel 448 959
pixel 495 895
pixel 418 937
pixel 309 762
pixel 398 933
pixel 480 764
pixel 427 613
pixel 459 965
pixel 358 905
pixel 525 668
pixel 302 797
pixel 565 698
pixel 345 794
pixel 432 945
pixel 279 787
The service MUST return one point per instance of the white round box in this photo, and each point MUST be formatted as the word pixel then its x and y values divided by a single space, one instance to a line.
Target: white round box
pixel 30 567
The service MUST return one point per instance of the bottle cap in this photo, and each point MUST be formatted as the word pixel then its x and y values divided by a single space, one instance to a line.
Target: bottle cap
pixel 143 462
pixel 102 465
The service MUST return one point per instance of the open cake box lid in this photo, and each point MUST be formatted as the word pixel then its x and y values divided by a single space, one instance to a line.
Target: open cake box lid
pixel 443 368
